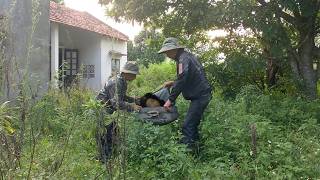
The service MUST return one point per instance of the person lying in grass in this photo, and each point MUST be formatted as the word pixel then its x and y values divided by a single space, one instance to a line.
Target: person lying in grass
pixel 156 99
pixel 151 100
pixel 153 110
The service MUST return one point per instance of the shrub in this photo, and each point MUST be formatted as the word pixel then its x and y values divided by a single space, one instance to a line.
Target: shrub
pixel 151 78
pixel 254 136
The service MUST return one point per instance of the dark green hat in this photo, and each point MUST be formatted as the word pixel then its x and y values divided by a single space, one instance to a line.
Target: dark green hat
pixel 130 67
pixel 170 44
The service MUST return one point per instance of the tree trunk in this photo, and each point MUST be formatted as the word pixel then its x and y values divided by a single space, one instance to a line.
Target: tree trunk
pixel 271 72
pixel 271 69
pixel 307 73
pixel 318 69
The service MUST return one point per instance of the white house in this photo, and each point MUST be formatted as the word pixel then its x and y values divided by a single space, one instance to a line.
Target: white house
pixel 80 44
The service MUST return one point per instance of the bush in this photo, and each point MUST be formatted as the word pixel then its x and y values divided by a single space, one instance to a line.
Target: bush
pixel 151 78
pixel 285 149
pixel 154 152
pixel 60 138
pixel 256 135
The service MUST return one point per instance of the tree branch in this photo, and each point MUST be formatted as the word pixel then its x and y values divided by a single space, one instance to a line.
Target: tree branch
pixel 262 2
pixel 296 10
pixel 280 13
pixel 290 19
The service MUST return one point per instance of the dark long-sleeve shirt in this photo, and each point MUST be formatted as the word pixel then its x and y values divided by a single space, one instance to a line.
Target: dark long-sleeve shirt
pixel 191 79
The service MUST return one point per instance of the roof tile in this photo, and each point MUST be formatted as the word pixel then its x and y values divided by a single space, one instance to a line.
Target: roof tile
pixel 64 15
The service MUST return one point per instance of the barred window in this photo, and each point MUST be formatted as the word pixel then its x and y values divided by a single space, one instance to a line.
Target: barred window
pixel 88 71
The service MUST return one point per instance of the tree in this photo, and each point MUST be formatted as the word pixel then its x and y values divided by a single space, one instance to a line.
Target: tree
pixel 286 29
pixel 145 47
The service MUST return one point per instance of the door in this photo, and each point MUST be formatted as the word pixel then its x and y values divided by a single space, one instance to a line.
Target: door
pixel 70 67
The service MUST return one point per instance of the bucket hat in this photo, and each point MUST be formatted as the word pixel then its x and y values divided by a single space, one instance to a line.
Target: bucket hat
pixel 170 44
pixel 130 67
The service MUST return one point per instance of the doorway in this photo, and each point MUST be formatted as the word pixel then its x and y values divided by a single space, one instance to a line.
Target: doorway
pixel 68 66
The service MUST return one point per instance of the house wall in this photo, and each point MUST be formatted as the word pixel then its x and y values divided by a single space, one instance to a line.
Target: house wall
pixel 94 49
pixel 25 53
pixel 88 44
pixel 107 45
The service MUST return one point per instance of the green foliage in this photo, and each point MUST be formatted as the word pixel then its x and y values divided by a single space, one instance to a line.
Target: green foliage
pixel 63 134
pixel 157 13
pixel 152 78
pixel 145 48
pixel 280 121
pixel 6 126
pixel 154 152
pixel 284 30
pixel 64 126
pixel 318 88
pixel 286 130
pixel 243 65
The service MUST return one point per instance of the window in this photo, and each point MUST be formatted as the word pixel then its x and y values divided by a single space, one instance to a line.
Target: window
pixel 88 71
pixel 69 60
pixel 115 65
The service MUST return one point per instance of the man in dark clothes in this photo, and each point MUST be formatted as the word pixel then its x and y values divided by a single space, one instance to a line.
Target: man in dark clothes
pixel 113 95
pixel 192 83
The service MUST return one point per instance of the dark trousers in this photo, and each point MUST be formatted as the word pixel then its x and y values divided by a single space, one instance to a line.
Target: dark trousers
pixel 192 120
pixel 106 140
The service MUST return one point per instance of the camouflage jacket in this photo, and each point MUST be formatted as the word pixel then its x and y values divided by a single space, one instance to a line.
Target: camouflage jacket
pixel 114 94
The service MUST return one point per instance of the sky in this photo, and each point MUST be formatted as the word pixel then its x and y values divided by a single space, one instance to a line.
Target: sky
pixel 93 7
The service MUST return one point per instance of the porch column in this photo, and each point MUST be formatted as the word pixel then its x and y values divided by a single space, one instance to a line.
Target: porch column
pixel 54 54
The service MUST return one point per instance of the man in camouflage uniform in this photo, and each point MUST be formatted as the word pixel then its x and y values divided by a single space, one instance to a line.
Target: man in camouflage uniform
pixel 192 83
pixel 118 83
pixel 113 95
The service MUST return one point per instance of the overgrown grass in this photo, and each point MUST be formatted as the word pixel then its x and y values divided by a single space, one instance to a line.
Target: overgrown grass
pixel 63 144
pixel 286 130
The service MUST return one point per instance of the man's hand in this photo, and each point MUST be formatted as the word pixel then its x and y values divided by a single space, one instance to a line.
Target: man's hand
pixel 136 108
pixel 168 84
pixel 167 105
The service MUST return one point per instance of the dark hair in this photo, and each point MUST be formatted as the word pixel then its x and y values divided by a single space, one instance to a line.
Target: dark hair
pixel 147 96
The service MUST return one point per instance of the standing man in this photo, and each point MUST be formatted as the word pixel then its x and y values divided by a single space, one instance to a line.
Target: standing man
pixel 114 96
pixel 194 86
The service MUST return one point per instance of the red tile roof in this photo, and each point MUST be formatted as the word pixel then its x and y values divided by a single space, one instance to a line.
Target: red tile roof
pixel 62 14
